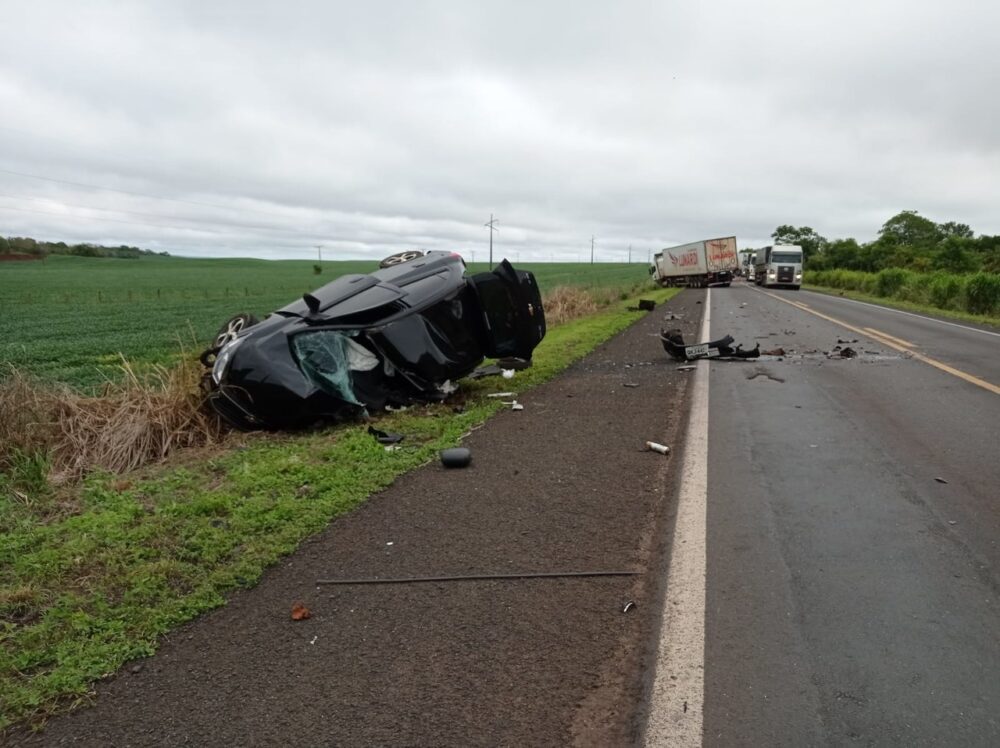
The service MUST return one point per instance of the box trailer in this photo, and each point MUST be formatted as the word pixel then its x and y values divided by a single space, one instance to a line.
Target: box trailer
pixel 699 264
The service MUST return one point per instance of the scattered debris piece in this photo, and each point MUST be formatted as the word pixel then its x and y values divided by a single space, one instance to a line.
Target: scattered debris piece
pixel 940 480
pixel 686 368
pixel 514 404
pixel 628 606
pixel 952 522
pixel 774 352
pixel 848 353
pixel 300 612
pixel 456 457
pixel 655 447
pixel 390 542
pixel 313 640
pixel 788 332
pixel 673 344
pixel 501 394
pixel 383 437
pixel 760 371
pixel 507 373
pixel 483 577
pixel 647 305
pixel 630 384
pixel 845 342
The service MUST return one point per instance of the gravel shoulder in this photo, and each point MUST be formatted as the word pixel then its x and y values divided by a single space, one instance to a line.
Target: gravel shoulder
pixel 564 485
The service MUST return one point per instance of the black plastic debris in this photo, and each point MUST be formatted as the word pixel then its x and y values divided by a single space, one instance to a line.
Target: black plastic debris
pixel 674 345
pixel 647 305
pixel 456 457
pixel 385 437
pixel 848 353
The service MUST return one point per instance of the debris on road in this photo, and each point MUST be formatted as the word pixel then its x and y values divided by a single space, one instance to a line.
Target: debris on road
pixel 300 612
pixel 686 368
pixel 630 384
pixel 673 344
pixel 848 353
pixel 628 606
pixel 655 447
pixel 456 457
pixel 483 577
pixel 774 352
pixel 760 371
pixel 501 394
pixel 940 480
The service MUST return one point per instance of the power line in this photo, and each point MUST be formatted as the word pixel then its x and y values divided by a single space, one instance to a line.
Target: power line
pixel 492 229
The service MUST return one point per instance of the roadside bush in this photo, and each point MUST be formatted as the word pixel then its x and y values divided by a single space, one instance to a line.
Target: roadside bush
pixel 946 290
pixel 888 282
pixel 982 293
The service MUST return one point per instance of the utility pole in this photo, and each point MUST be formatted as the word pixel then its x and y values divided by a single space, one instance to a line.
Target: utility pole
pixel 629 254
pixel 492 229
pixel 473 257
pixel 319 248
pixel 591 249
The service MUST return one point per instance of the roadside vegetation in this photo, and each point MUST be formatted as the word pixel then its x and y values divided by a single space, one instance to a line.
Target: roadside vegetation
pixel 99 558
pixel 914 262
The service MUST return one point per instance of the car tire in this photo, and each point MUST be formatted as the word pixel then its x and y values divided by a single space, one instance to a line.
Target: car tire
pixel 232 328
pixel 400 257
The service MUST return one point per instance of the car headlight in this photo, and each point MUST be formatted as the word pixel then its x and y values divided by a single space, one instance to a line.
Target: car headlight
pixel 222 360
pixel 771 272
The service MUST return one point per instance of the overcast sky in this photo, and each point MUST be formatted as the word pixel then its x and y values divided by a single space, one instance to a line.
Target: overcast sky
pixel 266 128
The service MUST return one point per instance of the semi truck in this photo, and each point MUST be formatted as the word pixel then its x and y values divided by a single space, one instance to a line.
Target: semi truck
pixel 780 265
pixel 699 264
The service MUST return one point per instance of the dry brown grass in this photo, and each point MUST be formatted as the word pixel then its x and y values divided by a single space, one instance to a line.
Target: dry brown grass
pixel 136 420
pixel 564 303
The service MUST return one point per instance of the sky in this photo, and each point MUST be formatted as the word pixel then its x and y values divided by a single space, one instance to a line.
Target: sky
pixel 351 130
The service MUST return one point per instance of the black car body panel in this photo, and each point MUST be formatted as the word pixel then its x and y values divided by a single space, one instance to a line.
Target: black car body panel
pixel 363 342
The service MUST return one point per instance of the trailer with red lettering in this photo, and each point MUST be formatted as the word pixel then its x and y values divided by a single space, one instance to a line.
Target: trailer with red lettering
pixel 699 264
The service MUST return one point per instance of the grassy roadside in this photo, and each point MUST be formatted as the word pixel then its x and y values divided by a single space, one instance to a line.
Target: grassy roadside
pixel 85 593
pixel 908 306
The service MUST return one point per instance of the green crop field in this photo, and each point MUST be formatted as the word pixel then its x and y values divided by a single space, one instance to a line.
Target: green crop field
pixel 72 319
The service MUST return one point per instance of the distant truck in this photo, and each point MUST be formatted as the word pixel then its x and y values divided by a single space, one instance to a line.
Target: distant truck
pixel 780 265
pixel 699 264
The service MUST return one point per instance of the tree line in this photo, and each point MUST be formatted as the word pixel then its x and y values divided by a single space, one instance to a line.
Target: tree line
pixel 23 245
pixel 908 240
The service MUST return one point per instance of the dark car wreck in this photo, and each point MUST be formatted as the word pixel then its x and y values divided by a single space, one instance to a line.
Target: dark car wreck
pixel 401 334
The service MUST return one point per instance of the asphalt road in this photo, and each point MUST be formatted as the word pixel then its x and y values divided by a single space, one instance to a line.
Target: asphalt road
pixel 853 519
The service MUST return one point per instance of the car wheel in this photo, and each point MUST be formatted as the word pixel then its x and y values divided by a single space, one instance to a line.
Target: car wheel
pixel 232 328
pixel 400 257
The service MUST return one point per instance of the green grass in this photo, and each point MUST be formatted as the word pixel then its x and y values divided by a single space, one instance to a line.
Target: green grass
pixel 72 319
pixel 909 306
pixel 83 592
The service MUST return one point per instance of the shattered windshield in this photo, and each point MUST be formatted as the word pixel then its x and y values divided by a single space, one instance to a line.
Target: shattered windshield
pixel 327 357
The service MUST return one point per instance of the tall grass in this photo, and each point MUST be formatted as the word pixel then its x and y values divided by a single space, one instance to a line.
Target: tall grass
pixel 975 294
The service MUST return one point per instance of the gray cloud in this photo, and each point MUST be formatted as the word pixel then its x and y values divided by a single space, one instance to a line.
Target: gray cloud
pixel 371 127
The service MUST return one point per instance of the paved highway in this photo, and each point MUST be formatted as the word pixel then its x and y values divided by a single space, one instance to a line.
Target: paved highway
pixel 849 544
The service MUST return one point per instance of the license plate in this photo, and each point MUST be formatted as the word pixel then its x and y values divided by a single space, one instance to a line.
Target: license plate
pixel 697 351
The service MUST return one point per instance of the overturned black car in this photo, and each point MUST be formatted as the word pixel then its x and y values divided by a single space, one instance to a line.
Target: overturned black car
pixel 362 343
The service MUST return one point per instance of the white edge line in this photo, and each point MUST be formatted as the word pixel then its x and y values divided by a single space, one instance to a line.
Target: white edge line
pixel 676 714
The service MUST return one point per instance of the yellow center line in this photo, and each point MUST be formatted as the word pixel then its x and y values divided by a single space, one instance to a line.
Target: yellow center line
pixel 896 344
pixel 887 336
